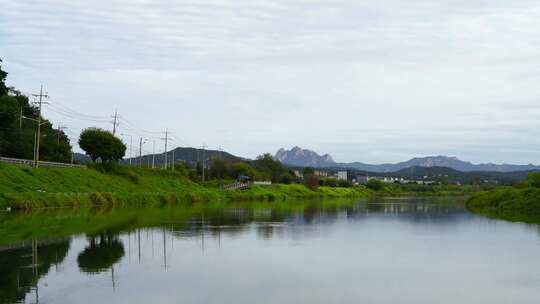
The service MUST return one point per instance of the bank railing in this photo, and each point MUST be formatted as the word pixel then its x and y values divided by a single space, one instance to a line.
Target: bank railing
pixel 31 163
pixel 236 186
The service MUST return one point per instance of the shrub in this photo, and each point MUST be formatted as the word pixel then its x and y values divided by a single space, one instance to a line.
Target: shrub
pixel 286 178
pixel 344 184
pixel 534 179
pixel 311 181
pixel 374 184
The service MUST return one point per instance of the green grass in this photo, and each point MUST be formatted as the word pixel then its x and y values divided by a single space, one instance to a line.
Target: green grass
pixel 29 188
pixel 283 192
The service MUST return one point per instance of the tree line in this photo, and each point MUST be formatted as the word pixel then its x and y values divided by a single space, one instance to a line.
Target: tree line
pixel 17 133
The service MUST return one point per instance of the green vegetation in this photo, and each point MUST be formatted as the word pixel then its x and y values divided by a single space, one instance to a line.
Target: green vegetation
pixel 18 124
pixel 98 143
pixel 29 188
pixel 374 185
pixel 518 203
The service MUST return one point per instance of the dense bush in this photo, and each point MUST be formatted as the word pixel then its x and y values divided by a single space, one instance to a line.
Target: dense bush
pixel 101 144
pixel 374 184
pixel 344 184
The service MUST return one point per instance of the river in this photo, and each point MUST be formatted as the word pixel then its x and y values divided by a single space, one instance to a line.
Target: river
pixel 383 251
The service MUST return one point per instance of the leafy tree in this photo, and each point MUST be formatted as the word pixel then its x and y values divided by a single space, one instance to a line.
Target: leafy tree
pixel 241 168
pixel 98 143
pixel 534 179
pixel 218 169
pixel 286 178
pixel 269 166
pixel 344 184
pixel 374 184
pixel 198 168
pixel 308 170
pixel 311 181
pixel 181 168
pixel 332 182
pixel 3 76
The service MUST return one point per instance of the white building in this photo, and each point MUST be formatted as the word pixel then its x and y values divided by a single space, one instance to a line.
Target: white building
pixel 342 175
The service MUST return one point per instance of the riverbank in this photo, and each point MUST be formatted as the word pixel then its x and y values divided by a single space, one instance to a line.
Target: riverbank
pixel 29 188
pixel 520 203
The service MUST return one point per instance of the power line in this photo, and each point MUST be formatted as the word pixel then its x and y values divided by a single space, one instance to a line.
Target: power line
pixel 132 125
pixel 67 109
pixel 60 111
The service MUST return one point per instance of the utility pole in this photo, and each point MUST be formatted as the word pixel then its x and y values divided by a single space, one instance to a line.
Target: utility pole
pixel 140 150
pixel 60 128
pixel 114 121
pixel 153 153
pixel 203 159
pixel 35 140
pixel 20 118
pixel 40 102
pixel 173 159
pixel 166 139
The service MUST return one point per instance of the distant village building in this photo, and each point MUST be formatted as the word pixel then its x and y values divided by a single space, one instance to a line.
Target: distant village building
pixel 362 179
pixel 342 175
pixel 401 180
pixel 298 174
pixel 320 173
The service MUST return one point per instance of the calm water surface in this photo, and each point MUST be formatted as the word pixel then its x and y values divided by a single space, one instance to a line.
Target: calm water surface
pixel 388 251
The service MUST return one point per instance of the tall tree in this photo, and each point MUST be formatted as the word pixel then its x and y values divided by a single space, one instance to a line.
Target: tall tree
pixel 3 76
pixel 268 165
pixel 101 144
pixel 17 135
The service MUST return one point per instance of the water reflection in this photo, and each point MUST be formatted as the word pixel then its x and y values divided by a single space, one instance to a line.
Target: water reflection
pixel 102 252
pixel 291 249
pixel 23 264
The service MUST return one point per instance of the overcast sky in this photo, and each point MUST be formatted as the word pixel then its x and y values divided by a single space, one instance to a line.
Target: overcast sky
pixel 372 81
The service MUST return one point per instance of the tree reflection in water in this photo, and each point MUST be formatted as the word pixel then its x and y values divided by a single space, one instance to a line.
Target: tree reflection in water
pixel 18 277
pixel 102 252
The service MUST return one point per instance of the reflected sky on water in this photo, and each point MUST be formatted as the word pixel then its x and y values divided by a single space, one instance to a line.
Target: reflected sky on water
pixel 391 251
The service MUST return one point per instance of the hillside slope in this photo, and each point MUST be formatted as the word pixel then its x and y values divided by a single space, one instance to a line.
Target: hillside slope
pixel 28 188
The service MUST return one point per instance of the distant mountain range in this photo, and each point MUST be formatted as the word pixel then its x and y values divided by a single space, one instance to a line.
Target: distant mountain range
pixel 304 158
pixel 189 155
pixel 443 174
pixel 299 157
pixel 307 158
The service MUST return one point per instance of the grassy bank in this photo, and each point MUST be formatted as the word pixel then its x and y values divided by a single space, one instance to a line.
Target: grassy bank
pixel 29 188
pixel 519 203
